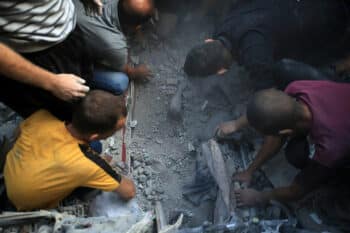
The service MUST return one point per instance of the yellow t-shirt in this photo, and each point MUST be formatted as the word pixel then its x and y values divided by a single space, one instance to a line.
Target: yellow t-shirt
pixel 47 163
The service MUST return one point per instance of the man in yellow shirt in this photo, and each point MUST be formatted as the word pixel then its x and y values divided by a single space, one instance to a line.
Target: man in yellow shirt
pixel 51 158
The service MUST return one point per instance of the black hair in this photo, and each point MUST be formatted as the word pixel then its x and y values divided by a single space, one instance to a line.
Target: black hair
pixel 270 111
pixel 207 59
pixel 98 112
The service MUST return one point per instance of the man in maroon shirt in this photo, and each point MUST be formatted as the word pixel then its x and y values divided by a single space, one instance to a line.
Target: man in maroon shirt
pixel 313 118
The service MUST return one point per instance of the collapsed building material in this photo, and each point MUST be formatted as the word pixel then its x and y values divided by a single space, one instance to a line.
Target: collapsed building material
pixel 160 217
pixel 175 110
pixel 225 203
pixel 54 222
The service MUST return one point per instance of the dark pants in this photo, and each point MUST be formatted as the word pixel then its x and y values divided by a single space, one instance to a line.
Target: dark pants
pixel 114 82
pixel 70 56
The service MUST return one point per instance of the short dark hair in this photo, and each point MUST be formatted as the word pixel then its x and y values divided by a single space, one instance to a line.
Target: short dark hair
pixel 207 59
pixel 270 111
pixel 98 112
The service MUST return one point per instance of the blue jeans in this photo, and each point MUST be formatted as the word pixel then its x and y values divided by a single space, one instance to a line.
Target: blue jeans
pixel 96 146
pixel 114 82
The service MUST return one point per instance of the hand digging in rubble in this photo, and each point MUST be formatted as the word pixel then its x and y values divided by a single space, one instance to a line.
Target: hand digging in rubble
pixel 139 73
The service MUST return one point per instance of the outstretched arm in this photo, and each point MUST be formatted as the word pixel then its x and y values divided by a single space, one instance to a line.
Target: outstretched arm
pixel 310 178
pixel 230 127
pixel 271 145
pixel 251 197
pixel 126 189
pixel 63 86
pixel 138 73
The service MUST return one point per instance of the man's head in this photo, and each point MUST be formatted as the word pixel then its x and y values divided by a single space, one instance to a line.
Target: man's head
pixel 209 58
pixel 135 12
pixel 274 112
pixel 99 115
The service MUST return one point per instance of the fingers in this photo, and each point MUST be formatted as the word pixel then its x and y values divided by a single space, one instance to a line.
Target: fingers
pixel 84 89
pixel 79 80
pixel 239 201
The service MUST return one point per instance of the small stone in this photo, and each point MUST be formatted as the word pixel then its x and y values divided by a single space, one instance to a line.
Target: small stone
pixel 136 164
pixel 147 172
pixel 204 105
pixel 142 178
pixel 159 141
pixel 133 124
pixel 171 81
pixel 204 118
pixel 148 191
pixel 140 186
pixel 159 190
pixel 140 171
pixel 135 59
pixel 191 147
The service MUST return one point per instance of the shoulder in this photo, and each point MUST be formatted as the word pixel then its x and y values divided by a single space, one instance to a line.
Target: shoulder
pixel 40 117
pixel 95 163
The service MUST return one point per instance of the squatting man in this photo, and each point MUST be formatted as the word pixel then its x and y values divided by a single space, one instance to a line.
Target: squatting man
pixel 312 119
pixel 52 158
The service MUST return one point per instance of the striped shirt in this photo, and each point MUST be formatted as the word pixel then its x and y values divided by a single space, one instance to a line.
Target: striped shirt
pixel 35 25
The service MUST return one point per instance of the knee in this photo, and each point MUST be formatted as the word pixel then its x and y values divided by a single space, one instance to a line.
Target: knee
pixel 120 83
pixel 114 82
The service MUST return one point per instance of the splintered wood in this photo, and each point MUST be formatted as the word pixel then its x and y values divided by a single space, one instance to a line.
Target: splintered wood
pixel 225 202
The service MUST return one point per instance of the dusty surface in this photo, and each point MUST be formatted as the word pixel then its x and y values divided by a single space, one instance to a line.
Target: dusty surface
pixel 164 150
pixel 166 147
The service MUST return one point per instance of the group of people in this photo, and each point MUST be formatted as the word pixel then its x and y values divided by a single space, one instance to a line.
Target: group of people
pixel 65 67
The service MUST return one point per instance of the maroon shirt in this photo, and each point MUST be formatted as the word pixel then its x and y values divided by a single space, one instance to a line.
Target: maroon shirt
pixel 329 103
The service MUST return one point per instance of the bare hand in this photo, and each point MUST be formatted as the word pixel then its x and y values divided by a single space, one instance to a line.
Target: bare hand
pixel 226 128
pixel 99 6
pixel 249 197
pixel 141 73
pixel 244 177
pixel 69 87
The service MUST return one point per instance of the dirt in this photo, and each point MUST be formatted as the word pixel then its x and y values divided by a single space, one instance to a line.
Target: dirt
pixel 164 150
pixel 168 147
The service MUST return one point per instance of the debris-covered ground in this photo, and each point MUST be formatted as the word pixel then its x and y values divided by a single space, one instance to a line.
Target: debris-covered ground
pixel 165 149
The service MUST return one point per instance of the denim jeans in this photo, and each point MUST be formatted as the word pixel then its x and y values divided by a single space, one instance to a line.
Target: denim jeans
pixel 114 82
pixel 96 146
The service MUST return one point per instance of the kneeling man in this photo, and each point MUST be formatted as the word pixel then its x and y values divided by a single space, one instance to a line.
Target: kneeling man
pixel 51 158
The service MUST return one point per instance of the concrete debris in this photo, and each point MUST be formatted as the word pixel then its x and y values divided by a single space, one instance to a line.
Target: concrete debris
pixel 172 81
pixel 190 147
pixel 133 124
pixel 175 109
pixel 204 105
pixel 159 141
pixel 135 59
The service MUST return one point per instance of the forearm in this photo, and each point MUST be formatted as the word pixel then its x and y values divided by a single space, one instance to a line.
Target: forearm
pixel 284 194
pixel 14 66
pixel 242 122
pixel 271 145
pixel 129 70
